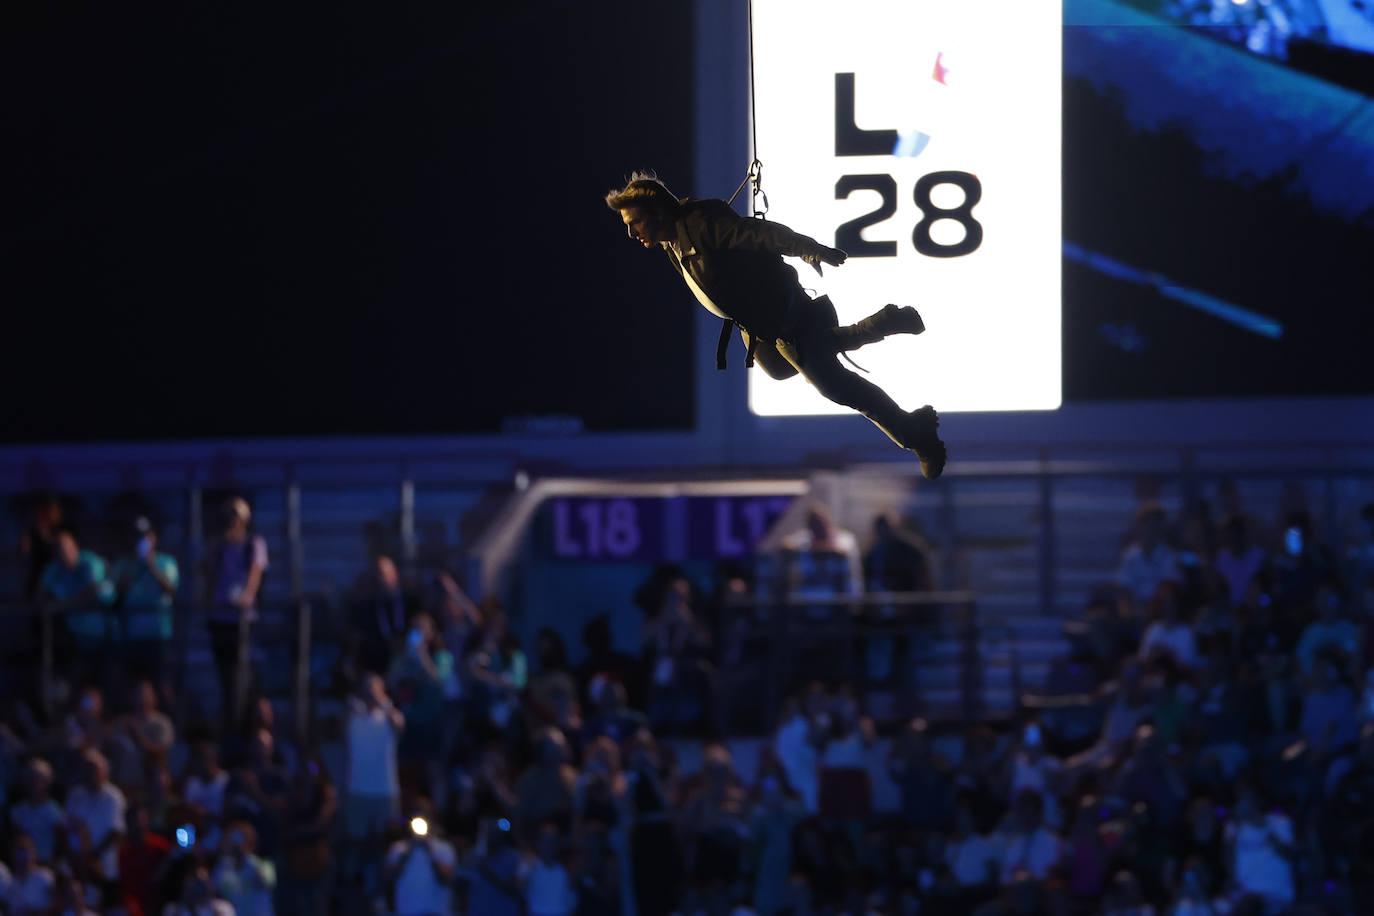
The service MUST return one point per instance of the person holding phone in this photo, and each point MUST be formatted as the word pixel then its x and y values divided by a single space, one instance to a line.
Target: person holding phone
pixel 146 582
pixel 420 868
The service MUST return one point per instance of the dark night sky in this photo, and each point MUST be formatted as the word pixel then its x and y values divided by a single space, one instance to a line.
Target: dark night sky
pixel 372 220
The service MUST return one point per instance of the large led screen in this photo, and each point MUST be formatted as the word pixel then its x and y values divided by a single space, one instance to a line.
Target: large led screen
pixel 923 138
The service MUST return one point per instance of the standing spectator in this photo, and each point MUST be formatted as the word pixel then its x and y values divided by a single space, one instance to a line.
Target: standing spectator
pixel 142 858
pixel 603 663
pixel 30 887
pixel 380 615
pixel 242 878
pixel 677 646
pixel 372 784
pixel 75 585
pixel 797 745
pixel 548 886
pixel 775 816
pixel 1148 562
pixel 38 542
pixel 308 842
pixel 498 872
pixel 972 858
pixel 497 672
pixel 37 816
pixel 1329 723
pixel 544 792
pixel 898 560
pixel 418 679
pixel 421 868
pixel 147 585
pixel 95 811
pixel 71 898
pixel 655 855
pixel 237 561
pixel 258 794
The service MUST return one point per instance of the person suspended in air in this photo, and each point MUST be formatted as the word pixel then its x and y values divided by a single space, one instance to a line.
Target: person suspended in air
pixel 734 266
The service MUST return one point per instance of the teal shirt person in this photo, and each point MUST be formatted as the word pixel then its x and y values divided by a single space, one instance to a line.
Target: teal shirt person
pixel 147 605
pixel 64 583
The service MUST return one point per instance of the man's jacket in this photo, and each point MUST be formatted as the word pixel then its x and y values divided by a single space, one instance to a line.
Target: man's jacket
pixel 737 261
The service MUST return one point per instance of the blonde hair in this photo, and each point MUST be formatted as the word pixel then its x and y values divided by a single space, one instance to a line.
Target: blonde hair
pixel 643 189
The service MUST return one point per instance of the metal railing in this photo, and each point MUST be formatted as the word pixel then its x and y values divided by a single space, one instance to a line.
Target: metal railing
pixel 788 623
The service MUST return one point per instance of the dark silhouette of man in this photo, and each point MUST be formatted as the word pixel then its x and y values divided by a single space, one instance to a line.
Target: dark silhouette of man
pixel 734 266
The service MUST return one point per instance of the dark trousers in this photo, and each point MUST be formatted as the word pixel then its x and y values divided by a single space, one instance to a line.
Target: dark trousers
pixel 224 642
pixel 813 348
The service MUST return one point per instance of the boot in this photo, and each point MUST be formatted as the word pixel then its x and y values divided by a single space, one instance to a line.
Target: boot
pixel 922 437
pixel 889 320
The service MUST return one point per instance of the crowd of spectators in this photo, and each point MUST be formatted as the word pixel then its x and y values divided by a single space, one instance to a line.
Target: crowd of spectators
pixel 1206 748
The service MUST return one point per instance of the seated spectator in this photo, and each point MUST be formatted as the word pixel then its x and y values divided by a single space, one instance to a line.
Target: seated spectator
pixel 75 585
pixel 1148 562
pixel 27 887
pixel 1331 630
pixel 142 858
pixel 480 792
pixel 95 812
pixel 236 563
pixel 1262 852
pixel 36 815
pixel 1239 560
pixel 544 791
pixel 1024 843
pixel 1169 636
pixel 421 869
pixel 147 585
pixel 380 613
pixel 549 888
pixel 241 877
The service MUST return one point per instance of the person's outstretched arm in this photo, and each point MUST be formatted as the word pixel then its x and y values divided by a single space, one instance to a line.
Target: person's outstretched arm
pixel 729 230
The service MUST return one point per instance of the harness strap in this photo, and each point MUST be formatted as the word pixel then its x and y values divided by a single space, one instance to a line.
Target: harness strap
pixel 727 327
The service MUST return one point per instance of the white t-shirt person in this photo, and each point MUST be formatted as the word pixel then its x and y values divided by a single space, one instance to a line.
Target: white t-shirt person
pixel 1036 852
pixel 31 893
pixel 372 740
pixel 419 892
pixel 549 890
pixel 208 793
